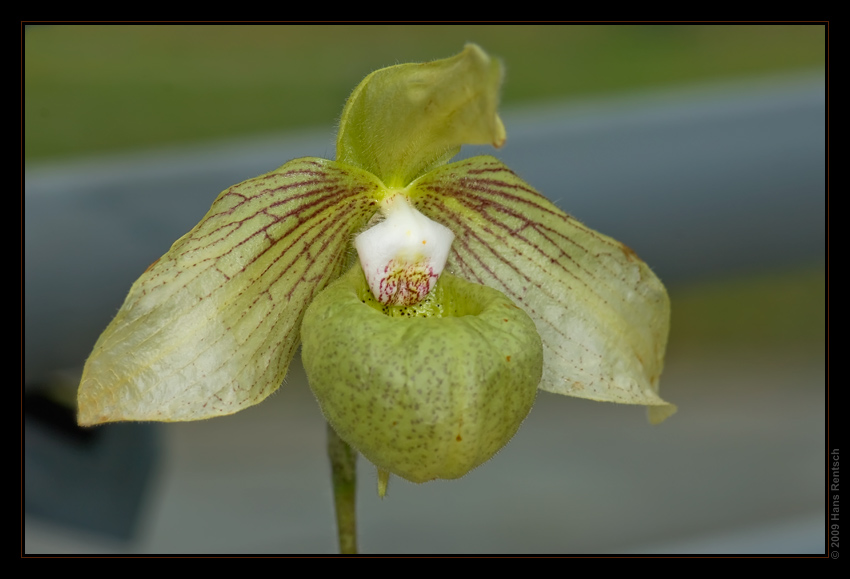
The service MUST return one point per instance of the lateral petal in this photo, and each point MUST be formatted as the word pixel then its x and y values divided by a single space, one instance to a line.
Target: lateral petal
pixel 602 314
pixel 210 328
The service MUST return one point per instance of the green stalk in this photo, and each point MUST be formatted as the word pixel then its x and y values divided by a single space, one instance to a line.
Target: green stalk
pixel 344 475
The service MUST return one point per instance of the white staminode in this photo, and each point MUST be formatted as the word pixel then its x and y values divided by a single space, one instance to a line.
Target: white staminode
pixel 403 255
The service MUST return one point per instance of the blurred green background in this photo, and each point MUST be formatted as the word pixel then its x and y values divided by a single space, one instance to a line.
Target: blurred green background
pixel 95 89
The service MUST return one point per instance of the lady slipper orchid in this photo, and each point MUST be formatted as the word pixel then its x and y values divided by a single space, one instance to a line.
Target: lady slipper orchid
pixel 427 373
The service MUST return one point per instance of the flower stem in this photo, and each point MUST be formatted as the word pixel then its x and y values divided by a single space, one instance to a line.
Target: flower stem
pixel 344 475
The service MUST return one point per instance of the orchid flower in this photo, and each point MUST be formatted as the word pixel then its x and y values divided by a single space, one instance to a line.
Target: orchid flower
pixel 471 290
